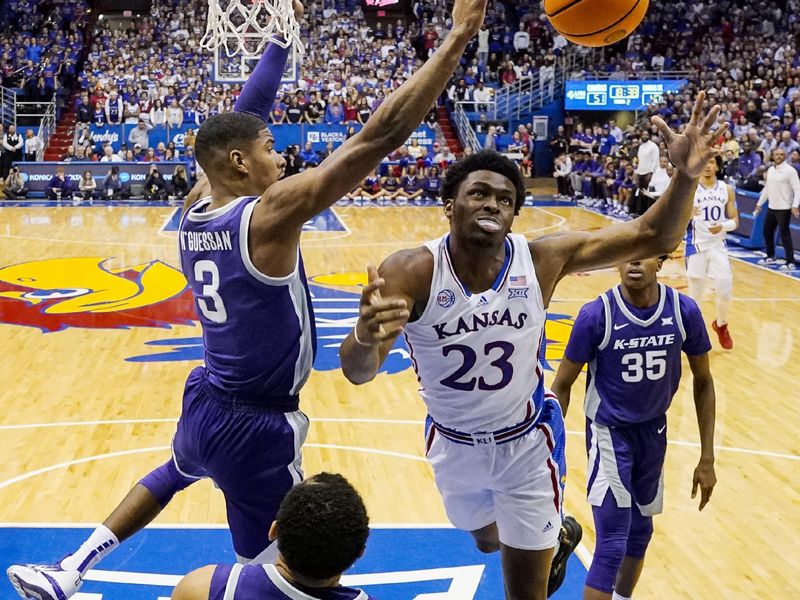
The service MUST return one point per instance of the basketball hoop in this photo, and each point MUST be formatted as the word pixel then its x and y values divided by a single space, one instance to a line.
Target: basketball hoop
pixel 245 27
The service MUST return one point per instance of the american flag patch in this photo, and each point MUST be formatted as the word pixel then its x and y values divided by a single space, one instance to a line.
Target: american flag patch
pixel 517 281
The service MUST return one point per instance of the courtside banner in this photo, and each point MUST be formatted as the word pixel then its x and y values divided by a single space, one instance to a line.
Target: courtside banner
pixel 38 175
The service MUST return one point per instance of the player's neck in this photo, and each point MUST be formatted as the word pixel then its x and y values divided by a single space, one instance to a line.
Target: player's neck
pixel 708 182
pixel 477 265
pixel 641 298
pixel 287 574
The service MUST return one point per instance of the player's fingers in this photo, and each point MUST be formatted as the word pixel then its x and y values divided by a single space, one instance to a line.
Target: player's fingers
pixel 720 133
pixel 710 119
pixel 694 487
pixel 705 496
pixel 372 272
pixel 370 289
pixel 392 333
pixel 663 129
pixel 388 316
pixel 368 311
pixel 697 111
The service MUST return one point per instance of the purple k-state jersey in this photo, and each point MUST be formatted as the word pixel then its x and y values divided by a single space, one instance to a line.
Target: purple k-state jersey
pixel 634 355
pixel 264 582
pixel 258 331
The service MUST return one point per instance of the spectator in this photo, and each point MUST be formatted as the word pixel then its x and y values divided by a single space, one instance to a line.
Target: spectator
pixel 33 146
pixel 87 186
pixel 749 163
pixel 482 97
pixel 109 155
pixel 490 143
pixel 781 193
pixel 278 113
pixel 113 186
pixel 59 186
pixel 648 156
pixel 12 150
pixel 563 168
pixel 294 164
pixel 140 134
pixel 432 185
pixel 158 115
pixel 308 156
pixel 660 179
pixel 15 185
pixel 174 115
pixel 294 112
pixel 443 156
pixel 155 188
pixel 410 186
pixel 559 144
pixel 189 139
pixel 371 188
pixel 114 109
pixel 334 112
pixel 180 182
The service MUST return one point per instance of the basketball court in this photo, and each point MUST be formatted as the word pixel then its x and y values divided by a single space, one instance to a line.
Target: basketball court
pixel 98 335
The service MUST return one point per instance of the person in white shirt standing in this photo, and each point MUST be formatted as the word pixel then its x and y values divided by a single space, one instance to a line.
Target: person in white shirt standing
pixel 714 214
pixel 33 144
pixel 649 156
pixel 781 193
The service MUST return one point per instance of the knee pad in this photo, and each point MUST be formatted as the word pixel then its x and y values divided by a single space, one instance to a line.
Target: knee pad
pixel 724 288
pixel 165 481
pixel 639 536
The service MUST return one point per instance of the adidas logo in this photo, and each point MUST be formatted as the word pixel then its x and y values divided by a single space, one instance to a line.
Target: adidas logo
pixel 483 301
pixel 547 527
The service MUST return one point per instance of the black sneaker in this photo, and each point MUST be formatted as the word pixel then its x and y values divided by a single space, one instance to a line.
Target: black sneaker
pixel 569 538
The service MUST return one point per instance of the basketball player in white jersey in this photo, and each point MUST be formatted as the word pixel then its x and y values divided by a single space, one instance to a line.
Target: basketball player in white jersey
pixel 472 305
pixel 713 216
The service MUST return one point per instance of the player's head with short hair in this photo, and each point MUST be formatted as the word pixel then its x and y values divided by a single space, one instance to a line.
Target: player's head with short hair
pixel 236 149
pixel 485 160
pixel 321 527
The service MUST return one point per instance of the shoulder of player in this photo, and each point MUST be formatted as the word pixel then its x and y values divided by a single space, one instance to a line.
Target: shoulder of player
pixel 409 271
pixel 196 585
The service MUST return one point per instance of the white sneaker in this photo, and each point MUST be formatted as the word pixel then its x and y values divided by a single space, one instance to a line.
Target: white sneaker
pixel 44 582
pixel 767 261
pixel 788 267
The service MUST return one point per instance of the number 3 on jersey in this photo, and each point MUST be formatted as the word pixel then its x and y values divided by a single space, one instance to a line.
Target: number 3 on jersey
pixel 209 300
pixel 469 358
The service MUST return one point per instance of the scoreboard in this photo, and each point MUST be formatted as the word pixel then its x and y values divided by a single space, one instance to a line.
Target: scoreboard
pixel 617 95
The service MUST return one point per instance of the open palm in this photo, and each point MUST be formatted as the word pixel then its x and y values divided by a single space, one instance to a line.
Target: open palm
pixel 691 150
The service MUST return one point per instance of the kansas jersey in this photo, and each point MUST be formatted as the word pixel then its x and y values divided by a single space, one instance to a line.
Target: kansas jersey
pixel 711 204
pixel 477 355
pixel 264 582
pixel 258 331
pixel 634 354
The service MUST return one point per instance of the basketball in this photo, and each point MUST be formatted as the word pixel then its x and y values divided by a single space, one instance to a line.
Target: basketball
pixel 595 22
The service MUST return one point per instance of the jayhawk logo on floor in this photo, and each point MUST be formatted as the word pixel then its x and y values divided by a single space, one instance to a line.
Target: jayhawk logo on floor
pixel 88 292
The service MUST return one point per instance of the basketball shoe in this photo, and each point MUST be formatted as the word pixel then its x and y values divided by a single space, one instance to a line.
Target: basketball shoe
pixel 723 334
pixel 568 539
pixel 44 582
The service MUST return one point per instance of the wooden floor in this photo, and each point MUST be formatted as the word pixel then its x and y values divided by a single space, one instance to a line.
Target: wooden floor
pixel 80 424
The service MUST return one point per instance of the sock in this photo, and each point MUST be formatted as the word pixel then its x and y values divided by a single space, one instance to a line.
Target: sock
pixel 616 596
pixel 724 297
pixel 97 547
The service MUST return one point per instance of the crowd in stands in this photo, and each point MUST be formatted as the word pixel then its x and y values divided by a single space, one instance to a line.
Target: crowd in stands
pixel 41 44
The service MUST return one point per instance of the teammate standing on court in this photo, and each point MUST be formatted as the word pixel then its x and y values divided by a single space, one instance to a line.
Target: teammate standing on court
pixel 632 337
pixel 321 529
pixel 472 304
pixel 713 216
pixel 239 248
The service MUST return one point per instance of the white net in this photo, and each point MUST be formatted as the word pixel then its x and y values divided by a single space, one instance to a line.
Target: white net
pixel 245 27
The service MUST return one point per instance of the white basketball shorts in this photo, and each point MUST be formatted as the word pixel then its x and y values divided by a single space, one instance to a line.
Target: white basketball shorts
pixel 713 262
pixel 518 485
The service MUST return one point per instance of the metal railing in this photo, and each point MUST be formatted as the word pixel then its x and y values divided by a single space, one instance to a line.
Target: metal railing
pixel 635 75
pixel 466 134
pixel 8 106
pixel 47 124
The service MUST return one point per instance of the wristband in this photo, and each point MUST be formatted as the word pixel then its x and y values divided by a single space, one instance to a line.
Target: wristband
pixel 358 341
pixel 729 225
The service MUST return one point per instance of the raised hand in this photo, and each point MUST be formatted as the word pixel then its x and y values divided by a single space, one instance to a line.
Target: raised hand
pixel 469 14
pixel 379 320
pixel 691 150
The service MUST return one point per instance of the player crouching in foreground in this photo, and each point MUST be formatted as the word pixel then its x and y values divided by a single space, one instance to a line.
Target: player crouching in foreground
pixel 632 337
pixel 321 530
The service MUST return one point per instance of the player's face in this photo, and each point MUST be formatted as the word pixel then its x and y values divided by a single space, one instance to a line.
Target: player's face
pixel 265 166
pixel 639 274
pixel 710 170
pixel 483 210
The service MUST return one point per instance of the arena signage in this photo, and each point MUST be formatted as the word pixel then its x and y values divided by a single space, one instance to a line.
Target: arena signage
pixel 618 95
pixel 38 175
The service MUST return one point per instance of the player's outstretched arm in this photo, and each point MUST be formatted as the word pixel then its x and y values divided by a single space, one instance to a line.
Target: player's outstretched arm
pixel 568 372
pixel 289 203
pixel 386 304
pixel 705 401
pixel 659 230
pixel 195 586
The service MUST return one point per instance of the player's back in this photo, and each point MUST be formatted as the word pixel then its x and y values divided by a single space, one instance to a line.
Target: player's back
pixel 709 204
pixel 477 354
pixel 636 369
pixel 258 331
pixel 264 582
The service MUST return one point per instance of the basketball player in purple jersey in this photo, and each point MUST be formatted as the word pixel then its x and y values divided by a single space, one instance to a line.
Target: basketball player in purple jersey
pixel 239 247
pixel 632 337
pixel 321 529
pixel 472 305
